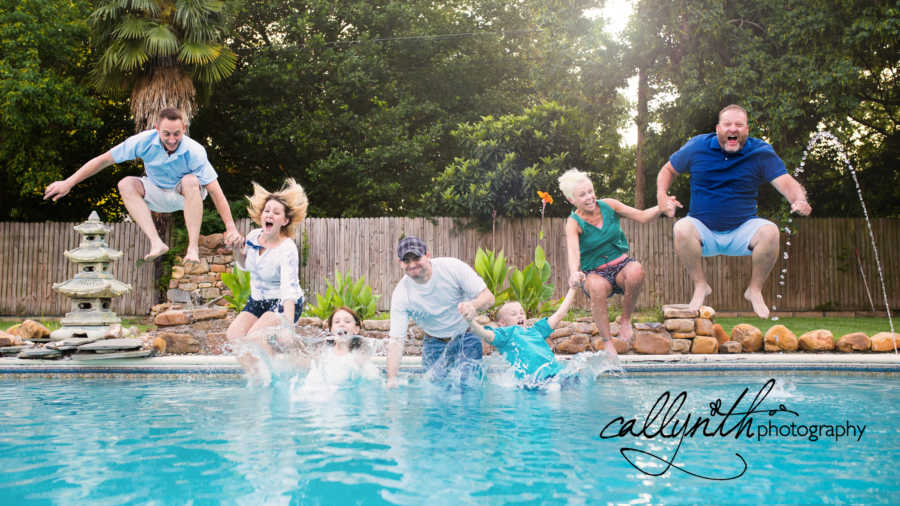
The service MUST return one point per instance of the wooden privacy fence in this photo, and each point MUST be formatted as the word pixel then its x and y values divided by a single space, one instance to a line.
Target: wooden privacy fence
pixel 826 257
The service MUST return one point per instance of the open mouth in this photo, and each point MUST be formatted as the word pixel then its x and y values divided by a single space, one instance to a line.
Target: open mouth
pixel 268 226
pixel 521 322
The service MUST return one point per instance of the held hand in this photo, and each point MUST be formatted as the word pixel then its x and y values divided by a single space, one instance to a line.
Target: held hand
pixel 667 205
pixel 233 238
pixel 801 207
pixel 57 190
pixel 467 310
pixel 576 279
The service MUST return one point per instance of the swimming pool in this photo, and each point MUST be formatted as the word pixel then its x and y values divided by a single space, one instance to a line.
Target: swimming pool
pixel 207 439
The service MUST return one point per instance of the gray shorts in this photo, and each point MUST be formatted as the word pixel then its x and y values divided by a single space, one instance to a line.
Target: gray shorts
pixel 165 200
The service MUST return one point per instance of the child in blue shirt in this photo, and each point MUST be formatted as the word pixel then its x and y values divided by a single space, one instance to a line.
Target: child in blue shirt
pixel 525 348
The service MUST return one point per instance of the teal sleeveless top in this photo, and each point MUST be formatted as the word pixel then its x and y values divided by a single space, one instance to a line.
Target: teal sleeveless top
pixel 600 245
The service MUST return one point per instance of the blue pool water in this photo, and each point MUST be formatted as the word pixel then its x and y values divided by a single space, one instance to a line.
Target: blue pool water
pixel 203 440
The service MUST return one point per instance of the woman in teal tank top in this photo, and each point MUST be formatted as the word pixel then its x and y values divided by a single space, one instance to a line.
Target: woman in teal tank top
pixel 597 251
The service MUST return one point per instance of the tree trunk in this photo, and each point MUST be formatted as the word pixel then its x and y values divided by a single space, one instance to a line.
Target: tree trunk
pixel 640 172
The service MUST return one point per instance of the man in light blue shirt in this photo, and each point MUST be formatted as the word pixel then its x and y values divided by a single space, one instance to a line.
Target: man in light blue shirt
pixel 439 295
pixel 178 176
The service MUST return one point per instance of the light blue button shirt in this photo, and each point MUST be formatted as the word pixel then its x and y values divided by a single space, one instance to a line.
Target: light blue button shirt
pixel 163 169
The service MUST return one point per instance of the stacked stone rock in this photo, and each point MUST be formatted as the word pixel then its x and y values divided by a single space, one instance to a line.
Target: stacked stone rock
pixel 694 331
pixel 203 281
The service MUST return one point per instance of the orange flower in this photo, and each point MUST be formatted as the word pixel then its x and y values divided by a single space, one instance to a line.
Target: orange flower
pixel 545 197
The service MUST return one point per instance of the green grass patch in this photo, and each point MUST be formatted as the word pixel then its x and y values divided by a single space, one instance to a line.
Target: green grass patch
pixel 837 325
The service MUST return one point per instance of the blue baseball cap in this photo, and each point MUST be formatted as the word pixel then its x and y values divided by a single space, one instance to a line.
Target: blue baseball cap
pixel 411 245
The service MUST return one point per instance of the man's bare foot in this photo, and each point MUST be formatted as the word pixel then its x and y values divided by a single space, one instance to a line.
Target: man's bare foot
pixel 610 350
pixel 626 332
pixel 192 255
pixel 700 292
pixel 756 300
pixel 156 252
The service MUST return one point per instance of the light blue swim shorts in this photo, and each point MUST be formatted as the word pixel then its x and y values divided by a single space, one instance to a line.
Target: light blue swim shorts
pixel 733 243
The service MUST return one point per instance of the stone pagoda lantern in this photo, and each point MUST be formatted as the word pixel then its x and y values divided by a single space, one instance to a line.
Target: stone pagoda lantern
pixel 93 287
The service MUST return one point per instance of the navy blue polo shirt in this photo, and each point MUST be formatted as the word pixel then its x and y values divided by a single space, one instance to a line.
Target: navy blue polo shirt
pixel 725 186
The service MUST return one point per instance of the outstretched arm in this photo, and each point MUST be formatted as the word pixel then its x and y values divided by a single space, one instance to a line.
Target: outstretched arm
pixel 563 310
pixel 480 331
pixel 573 252
pixel 640 216
pixel 794 193
pixel 664 179
pixel 58 189
pixel 232 236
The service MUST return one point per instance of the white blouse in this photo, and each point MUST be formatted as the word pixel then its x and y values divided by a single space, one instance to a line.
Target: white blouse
pixel 275 273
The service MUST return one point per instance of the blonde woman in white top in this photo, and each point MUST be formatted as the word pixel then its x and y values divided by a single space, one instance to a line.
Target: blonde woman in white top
pixel 271 257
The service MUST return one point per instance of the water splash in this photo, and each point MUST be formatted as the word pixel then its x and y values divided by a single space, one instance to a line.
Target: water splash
pixel 828 136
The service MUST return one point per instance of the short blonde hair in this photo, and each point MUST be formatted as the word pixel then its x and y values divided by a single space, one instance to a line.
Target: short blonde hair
pixel 570 179
pixel 497 315
pixel 291 196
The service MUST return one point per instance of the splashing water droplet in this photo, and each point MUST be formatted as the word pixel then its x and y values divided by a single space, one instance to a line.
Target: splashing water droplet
pixel 778 296
pixel 842 155
pixel 774 318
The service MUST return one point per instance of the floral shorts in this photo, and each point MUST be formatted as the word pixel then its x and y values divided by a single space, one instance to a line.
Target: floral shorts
pixel 609 273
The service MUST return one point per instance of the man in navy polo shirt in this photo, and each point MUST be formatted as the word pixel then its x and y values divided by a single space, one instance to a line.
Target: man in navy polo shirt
pixel 178 176
pixel 726 170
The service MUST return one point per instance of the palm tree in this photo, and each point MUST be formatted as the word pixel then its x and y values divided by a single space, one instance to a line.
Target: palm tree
pixel 159 49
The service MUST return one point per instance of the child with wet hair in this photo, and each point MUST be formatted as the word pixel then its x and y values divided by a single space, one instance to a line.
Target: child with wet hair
pixel 345 355
pixel 344 325
pixel 525 348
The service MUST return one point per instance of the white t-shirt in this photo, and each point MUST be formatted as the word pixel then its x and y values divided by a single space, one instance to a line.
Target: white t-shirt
pixel 275 274
pixel 433 305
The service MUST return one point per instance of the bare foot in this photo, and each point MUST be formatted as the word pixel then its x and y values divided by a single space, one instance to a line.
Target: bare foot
pixel 700 293
pixel 156 252
pixel 192 256
pixel 756 300
pixel 626 332
pixel 611 352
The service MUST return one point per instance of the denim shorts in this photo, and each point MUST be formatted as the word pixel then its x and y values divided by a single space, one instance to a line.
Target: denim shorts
pixel 735 243
pixel 165 200
pixel 260 307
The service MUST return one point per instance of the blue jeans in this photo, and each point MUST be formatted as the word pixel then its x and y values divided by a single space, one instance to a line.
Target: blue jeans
pixel 462 354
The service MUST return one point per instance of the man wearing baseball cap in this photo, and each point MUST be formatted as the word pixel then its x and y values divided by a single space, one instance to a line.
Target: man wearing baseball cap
pixel 439 295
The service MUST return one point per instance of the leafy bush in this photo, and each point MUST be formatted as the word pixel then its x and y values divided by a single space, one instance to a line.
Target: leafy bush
pixel 530 287
pixel 357 295
pixel 493 270
pixel 238 282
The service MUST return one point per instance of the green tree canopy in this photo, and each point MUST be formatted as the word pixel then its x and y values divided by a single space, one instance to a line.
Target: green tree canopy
pixel 50 118
pixel 507 160
pixel 357 100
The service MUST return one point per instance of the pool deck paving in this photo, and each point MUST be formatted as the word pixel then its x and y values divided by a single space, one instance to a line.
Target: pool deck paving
pixel 745 362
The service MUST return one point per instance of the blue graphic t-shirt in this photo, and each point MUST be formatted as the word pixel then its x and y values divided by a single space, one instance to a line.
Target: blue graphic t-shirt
pixel 527 351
